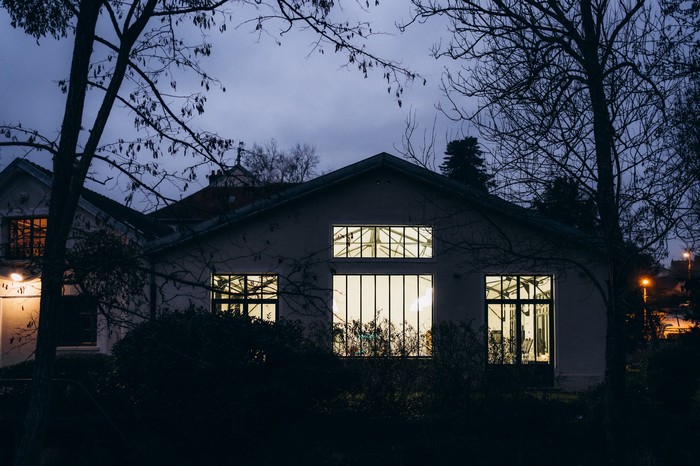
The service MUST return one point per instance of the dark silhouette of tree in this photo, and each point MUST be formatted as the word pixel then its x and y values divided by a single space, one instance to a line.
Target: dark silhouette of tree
pixel 563 200
pixel 464 162
pixel 579 88
pixel 127 54
pixel 684 137
pixel 270 164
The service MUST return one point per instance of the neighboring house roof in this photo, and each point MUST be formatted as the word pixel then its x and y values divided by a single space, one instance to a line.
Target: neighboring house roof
pixel 213 200
pixel 91 201
pixel 475 197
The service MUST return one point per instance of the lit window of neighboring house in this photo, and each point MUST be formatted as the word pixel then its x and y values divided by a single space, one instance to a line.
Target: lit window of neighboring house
pixel 26 238
pixel 252 295
pixel 78 321
pixel 382 315
pixel 519 310
pixel 382 241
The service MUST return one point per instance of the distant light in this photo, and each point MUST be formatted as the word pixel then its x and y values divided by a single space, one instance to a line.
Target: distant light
pixel 16 277
pixel 645 282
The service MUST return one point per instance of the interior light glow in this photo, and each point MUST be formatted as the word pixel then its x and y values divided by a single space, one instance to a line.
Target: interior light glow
pixel 423 302
pixel 16 277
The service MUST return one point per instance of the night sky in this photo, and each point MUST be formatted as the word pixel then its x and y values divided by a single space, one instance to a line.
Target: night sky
pixel 287 92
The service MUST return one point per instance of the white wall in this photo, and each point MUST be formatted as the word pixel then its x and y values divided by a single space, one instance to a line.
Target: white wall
pixel 295 241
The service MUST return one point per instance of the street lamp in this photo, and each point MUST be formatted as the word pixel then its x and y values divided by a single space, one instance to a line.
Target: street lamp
pixel 645 282
pixel 687 256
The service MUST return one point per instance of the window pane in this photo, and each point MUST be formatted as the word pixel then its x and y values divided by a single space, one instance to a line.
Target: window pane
pixel 353 316
pixel 386 314
pixel 339 314
pixel 426 242
pixel 411 241
pixel 77 321
pixel 382 299
pixel 251 295
pixel 396 297
pixel 544 287
pixel 237 286
pixel 397 239
pixel 509 287
pixel 340 246
pixel 354 241
pixel 542 335
pixel 527 287
pixel 518 318
pixel 368 241
pixel 383 240
pixel 27 238
pixel 527 332
pixel 425 313
pixel 493 287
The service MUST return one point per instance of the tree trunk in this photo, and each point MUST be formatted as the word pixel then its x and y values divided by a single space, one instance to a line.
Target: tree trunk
pixel 62 207
pixel 612 235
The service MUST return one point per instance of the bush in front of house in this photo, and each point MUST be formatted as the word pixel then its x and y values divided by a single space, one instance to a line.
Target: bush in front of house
pixel 202 383
pixel 671 374
pixel 458 365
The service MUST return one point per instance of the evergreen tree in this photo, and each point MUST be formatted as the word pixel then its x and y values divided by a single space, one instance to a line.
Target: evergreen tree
pixel 562 200
pixel 464 162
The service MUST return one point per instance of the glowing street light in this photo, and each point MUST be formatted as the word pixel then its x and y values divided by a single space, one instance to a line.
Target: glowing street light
pixel 16 277
pixel 687 255
pixel 645 282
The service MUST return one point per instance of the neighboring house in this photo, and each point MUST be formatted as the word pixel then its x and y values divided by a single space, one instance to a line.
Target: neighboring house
pixel 24 193
pixel 378 252
pixel 228 190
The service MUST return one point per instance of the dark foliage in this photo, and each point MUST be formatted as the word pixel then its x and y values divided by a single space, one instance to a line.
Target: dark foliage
pixel 201 384
pixel 671 374
pixel 464 162
pixel 563 200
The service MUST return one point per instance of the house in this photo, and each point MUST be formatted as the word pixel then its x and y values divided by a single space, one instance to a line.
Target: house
pixel 374 254
pixel 24 193
pixel 380 251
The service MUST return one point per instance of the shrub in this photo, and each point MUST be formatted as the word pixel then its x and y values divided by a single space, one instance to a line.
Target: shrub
pixel 457 367
pixel 205 382
pixel 670 375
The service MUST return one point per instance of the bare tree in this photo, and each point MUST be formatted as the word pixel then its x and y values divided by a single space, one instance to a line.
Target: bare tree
pixel 270 164
pixel 124 53
pixel 578 88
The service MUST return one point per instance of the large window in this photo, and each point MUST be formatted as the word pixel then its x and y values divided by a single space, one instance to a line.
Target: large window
pixel 520 311
pixel 382 315
pixel 383 241
pixel 78 321
pixel 27 237
pixel 245 294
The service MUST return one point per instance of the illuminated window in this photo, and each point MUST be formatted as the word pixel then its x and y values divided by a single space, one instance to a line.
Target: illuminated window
pixel 245 294
pixel 27 237
pixel 78 321
pixel 520 311
pixel 382 315
pixel 383 241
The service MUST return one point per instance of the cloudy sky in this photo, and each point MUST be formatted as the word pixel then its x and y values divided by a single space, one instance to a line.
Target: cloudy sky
pixel 286 92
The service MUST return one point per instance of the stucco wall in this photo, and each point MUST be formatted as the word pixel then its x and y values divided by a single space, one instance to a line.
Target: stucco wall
pixel 24 196
pixel 295 239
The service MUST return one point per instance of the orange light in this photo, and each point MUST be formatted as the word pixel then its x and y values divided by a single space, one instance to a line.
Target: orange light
pixel 686 254
pixel 646 282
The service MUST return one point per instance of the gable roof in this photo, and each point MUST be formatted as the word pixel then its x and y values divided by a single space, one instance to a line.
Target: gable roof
pixel 474 196
pixel 91 201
